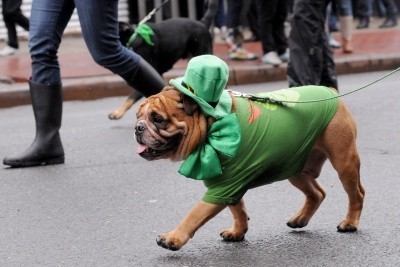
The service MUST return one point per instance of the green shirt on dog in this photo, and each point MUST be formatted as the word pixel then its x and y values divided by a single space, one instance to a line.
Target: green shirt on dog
pixel 276 140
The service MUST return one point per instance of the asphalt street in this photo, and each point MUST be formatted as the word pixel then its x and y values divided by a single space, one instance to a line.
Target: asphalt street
pixel 106 205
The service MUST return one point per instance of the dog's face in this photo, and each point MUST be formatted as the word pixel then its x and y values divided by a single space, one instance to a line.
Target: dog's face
pixel 169 125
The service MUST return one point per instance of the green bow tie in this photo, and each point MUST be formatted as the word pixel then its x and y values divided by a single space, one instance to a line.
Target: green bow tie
pixel 144 31
pixel 224 136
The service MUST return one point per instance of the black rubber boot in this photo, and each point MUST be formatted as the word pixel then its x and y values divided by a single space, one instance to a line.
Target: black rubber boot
pixel 147 80
pixel 46 148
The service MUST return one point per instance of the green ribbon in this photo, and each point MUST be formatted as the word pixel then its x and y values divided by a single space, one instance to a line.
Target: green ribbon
pixel 224 136
pixel 144 31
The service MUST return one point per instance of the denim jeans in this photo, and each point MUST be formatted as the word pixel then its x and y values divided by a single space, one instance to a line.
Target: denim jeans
pixel 99 24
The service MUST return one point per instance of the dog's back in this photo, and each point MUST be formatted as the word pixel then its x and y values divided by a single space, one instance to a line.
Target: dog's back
pixel 174 39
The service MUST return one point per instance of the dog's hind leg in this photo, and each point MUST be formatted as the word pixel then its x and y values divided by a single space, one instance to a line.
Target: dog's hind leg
pixel 307 183
pixel 349 174
pixel 339 140
pixel 240 225
pixel 129 102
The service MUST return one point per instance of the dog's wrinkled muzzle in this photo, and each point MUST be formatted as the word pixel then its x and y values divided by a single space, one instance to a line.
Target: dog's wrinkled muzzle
pixel 140 128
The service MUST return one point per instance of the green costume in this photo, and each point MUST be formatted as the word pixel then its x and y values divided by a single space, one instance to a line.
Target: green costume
pixel 261 142
pixel 276 141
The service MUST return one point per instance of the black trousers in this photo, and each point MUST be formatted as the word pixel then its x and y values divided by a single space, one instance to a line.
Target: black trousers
pixel 13 16
pixel 233 13
pixel 311 61
pixel 271 17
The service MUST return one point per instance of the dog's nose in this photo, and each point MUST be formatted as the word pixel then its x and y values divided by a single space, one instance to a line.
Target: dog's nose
pixel 140 127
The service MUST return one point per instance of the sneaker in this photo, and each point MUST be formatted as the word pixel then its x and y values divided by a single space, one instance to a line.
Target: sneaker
pixel 7 51
pixel 271 58
pixel 241 54
pixel 333 43
pixel 285 56
pixel 364 23
pixel 389 23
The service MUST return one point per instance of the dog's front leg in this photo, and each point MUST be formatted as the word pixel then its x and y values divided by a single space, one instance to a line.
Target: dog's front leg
pixel 240 224
pixel 199 215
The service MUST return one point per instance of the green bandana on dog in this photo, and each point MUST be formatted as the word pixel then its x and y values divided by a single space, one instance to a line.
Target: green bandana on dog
pixel 204 81
pixel 144 31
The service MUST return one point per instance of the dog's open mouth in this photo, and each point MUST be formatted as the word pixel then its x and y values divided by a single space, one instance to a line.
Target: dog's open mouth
pixel 149 153
pixel 145 150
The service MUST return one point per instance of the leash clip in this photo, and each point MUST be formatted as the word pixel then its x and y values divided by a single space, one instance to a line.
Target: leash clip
pixel 263 99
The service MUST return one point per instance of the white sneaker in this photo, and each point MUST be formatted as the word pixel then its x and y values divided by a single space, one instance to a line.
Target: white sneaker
pixel 285 57
pixel 7 51
pixel 333 43
pixel 271 58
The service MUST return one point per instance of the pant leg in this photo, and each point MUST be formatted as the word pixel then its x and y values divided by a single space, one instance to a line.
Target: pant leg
pixel 278 33
pixel 391 9
pixel 233 13
pixel 266 13
pixel 99 23
pixel 311 61
pixel 47 23
pixel 344 8
pixel 11 10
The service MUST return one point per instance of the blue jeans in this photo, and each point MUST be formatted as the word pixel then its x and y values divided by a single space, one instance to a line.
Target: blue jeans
pixel 99 23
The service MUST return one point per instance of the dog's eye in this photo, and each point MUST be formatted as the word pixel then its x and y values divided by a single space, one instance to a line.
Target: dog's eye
pixel 157 118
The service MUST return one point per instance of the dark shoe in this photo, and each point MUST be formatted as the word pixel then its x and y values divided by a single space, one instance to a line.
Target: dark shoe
pixel 46 148
pixel 389 23
pixel 363 24
pixel 147 80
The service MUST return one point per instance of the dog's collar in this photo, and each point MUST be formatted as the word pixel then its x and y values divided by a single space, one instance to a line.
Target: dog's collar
pixel 144 31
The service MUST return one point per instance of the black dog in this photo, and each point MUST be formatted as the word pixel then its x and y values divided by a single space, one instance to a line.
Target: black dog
pixel 173 39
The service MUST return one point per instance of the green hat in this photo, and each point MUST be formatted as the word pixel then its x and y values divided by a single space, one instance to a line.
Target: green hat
pixel 204 81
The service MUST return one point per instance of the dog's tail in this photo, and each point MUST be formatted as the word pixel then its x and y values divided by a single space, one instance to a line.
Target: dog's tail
pixel 211 7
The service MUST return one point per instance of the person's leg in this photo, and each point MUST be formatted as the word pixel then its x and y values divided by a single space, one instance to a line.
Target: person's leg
pixel 308 47
pixel 364 12
pixel 47 23
pixel 14 8
pixel 8 17
pixel 233 13
pixel 278 32
pixel 391 14
pixel 345 11
pixel 266 13
pixel 99 23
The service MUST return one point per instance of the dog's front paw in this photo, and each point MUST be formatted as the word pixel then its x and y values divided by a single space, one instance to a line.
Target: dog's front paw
pixel 232 235
pixel 346 226
pixel 297 221
pixel 162 242
pixel 172 240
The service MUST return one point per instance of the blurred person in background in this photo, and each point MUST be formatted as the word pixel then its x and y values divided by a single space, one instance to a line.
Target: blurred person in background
pixel 12 16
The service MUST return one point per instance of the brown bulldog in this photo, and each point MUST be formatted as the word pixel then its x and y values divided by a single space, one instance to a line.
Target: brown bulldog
pixel 218 136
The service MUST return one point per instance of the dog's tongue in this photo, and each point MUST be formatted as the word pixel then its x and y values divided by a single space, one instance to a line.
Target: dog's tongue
pixel 141 148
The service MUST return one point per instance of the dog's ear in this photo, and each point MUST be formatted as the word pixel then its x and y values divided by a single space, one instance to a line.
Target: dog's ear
pixel 189 105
